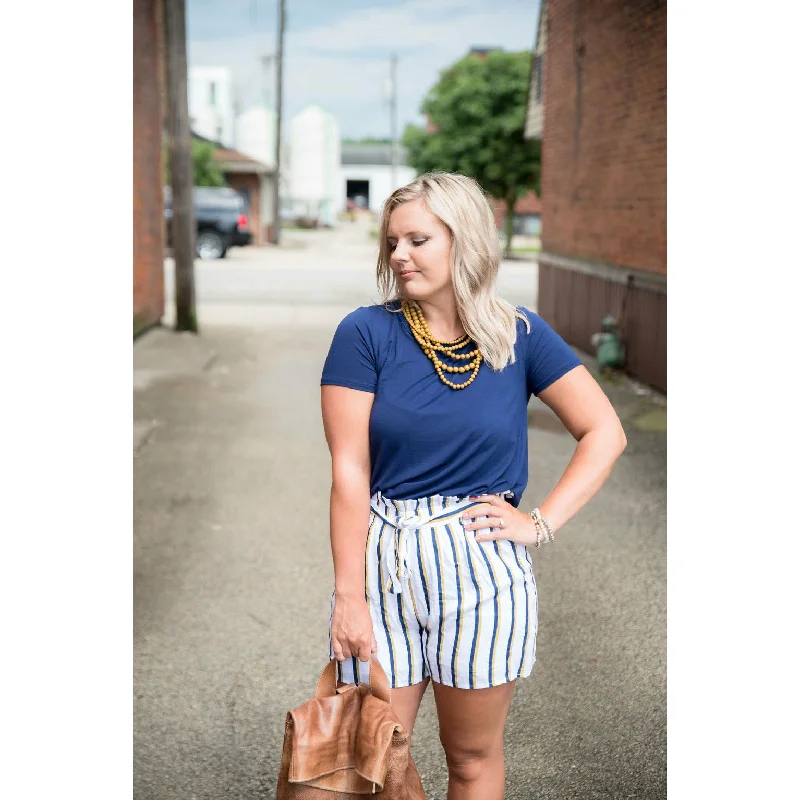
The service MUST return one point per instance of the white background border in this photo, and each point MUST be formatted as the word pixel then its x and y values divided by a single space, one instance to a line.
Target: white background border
pixel 734 173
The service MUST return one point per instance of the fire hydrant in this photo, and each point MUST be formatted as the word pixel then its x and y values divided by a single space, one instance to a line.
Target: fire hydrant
pixel 608 345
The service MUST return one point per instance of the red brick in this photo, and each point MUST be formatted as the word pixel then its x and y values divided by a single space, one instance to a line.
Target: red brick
pixel 604 180
pixel 148 208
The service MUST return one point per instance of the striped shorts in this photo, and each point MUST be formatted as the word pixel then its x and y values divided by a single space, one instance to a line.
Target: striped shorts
pixel 443 605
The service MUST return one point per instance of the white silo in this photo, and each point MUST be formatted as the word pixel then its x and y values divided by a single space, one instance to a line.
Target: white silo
pixel 255 134
pixel 315 154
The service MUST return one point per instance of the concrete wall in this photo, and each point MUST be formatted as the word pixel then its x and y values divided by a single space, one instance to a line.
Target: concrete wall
pixel 148 207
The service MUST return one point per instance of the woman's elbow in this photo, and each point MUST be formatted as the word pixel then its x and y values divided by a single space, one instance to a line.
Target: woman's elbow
pixel 617 437
pixel 610 436
pixel 623 440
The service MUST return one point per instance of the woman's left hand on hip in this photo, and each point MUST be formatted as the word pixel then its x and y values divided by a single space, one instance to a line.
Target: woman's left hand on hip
pixel 495 518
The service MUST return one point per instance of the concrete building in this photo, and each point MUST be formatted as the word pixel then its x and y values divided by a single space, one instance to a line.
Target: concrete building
pixel 598 102
pixel 211 108
pixel 365 177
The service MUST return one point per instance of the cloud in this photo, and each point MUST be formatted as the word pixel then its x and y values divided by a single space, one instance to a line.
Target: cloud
pixel 342 66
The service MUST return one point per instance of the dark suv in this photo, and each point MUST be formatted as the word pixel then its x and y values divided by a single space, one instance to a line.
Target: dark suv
pixel 221 218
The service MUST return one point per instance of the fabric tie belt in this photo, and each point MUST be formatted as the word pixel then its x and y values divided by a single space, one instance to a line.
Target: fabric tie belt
pixel 396 553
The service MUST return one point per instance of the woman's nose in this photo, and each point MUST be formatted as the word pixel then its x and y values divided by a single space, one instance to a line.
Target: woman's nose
pixel 400 252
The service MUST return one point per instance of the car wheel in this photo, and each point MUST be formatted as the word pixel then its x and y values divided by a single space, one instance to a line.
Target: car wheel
pixel 210 245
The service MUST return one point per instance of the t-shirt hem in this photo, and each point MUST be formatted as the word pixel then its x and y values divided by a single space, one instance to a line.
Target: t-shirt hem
pixel 348 384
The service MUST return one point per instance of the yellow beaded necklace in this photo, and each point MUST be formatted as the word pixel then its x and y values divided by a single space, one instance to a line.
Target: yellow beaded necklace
pixel 429 345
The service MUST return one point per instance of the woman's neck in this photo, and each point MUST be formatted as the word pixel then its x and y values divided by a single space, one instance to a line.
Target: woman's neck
pixel 442 318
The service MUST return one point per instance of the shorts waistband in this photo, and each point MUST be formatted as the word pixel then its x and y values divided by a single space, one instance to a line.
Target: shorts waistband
pixel 405 517
pixel 418 513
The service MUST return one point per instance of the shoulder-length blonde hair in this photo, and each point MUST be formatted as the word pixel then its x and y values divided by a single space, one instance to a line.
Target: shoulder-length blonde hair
pixel 459 202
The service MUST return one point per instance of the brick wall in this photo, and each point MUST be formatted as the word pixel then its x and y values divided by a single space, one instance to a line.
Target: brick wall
pixel 148 212
pixel 605 132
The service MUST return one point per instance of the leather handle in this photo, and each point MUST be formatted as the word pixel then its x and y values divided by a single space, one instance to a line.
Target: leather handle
pixel 378 682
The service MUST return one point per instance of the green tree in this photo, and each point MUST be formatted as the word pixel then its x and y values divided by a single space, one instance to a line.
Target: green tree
pixel 478 112
pixel 205 169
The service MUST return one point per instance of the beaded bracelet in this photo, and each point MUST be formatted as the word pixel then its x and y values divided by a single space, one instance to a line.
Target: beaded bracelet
pixel 544 533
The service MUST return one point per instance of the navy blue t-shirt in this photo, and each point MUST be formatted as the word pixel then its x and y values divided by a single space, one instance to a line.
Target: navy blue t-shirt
pixel 426 438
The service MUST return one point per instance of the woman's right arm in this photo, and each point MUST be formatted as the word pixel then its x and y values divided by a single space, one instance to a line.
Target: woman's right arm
pixel 345 418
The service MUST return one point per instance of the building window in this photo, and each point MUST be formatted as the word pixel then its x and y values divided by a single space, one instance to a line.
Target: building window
pixel 219 133
pixel 212 94
pixel 538 69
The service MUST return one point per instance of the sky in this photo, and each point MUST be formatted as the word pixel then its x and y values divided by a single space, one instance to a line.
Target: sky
pixel 337 52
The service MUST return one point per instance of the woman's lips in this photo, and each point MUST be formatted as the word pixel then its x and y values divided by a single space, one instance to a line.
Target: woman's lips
pixel 405 275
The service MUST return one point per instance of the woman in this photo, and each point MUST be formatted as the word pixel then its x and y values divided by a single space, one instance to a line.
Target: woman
pixel 424 405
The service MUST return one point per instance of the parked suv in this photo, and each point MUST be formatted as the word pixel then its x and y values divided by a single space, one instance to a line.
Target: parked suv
pixel 221 219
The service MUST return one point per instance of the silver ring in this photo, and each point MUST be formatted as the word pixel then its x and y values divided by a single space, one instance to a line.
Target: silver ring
pixel 502 523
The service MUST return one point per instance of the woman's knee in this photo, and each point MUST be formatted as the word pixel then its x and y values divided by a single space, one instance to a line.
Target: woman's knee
pixel 470 765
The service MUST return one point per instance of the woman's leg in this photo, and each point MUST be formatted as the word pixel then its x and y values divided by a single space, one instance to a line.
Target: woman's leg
pixel 471 723
pixel 406 701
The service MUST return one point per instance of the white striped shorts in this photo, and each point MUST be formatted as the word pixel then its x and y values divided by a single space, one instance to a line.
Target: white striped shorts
pixel 443 605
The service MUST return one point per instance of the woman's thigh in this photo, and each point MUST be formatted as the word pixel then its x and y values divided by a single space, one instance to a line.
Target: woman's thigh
pixel 406 701
pixel 471 721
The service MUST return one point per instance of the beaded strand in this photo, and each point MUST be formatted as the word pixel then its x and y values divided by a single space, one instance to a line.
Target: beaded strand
pixel 421 332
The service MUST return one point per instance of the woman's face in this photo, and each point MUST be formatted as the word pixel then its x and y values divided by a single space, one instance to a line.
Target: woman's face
pixel 419 244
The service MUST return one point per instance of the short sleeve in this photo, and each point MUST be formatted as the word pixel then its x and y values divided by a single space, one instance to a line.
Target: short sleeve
pixel 351 359
pixel 547 356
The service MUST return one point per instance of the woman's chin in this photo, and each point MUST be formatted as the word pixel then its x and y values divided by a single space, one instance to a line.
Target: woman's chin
pixel 410 291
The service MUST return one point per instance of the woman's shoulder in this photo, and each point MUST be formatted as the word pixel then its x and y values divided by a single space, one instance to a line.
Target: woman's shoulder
pixel 527 321
pixel 376 316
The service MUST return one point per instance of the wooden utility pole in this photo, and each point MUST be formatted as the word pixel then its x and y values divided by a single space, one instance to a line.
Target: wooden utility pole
pixel 393 107
pixel 275 229
pixel 180 154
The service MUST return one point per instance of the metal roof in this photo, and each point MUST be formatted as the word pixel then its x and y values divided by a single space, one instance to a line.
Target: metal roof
pixel 373 154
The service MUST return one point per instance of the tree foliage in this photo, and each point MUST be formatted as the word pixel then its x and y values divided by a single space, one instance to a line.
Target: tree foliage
pixel 205 170
pixel 478 112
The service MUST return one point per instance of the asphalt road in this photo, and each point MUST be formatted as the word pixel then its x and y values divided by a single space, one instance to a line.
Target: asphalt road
pixel 232 563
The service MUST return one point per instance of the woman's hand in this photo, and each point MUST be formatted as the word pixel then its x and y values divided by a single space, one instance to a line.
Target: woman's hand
pixel 508 522
pixel 351 628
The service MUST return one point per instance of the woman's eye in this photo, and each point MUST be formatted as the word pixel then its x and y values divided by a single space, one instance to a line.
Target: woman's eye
pixel 418 242
pixel 392 247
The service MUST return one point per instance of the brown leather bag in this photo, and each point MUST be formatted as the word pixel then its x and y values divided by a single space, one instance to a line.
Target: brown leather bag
pixel 347 741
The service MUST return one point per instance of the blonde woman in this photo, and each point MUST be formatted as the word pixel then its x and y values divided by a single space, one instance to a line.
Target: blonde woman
pixel 424 405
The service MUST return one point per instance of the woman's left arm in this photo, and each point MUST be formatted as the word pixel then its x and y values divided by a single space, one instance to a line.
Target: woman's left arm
pixel 587 414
